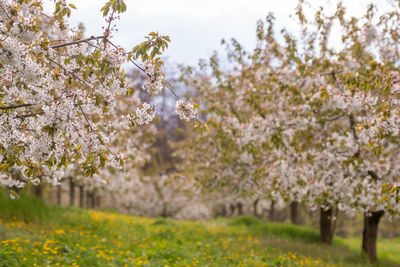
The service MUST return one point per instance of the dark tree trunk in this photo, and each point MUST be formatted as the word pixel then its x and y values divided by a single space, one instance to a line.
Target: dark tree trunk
pixel 370 234
pixel 232 210
pixel 240 208
pixel 271 214
pixel 224 211
pixel 71 191
pixel 98 199
pixel 255 204
pixel 59 194
pixel 327 225
pixel 87 199
pixel 81 196
pixel 92 201
pixel 164 212
pixel 294 212
pixel 38 190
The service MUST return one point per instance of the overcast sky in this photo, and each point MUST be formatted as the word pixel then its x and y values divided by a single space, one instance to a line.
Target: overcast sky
pixel 196 27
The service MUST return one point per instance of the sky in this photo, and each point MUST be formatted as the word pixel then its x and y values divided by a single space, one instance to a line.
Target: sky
pixel 196 27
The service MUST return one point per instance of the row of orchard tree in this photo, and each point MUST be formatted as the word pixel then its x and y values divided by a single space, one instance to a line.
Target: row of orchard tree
pixel 306 119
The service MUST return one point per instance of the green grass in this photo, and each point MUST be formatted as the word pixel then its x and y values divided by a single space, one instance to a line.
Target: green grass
pixel 387 249
pixel 35 234
pixel 27 208
pixel 282 230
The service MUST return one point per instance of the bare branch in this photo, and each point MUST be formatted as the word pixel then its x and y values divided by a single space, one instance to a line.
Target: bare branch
pixel 77 42
pixel 5 12
pixel 328 122
pixel 29 115
pixel 47 16
pixel 331 72
pixel 107 32
pixel 15 106
pixel 335 118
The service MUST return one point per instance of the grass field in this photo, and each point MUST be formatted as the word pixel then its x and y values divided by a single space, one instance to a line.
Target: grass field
pixel 35 234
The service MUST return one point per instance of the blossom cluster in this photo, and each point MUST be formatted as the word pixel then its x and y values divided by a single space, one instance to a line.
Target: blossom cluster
pixel 155 81
pixel 186 110
pixel 145 114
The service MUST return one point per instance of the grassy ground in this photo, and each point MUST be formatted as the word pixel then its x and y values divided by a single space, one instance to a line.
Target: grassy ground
pixel 34 234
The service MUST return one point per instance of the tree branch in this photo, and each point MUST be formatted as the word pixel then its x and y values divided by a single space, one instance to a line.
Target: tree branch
pixel 47 16
pixel 5 12
pixel 353 128
pixel 15 106
pixel 140 68
pixel 29 115
pixel 331 72
pixel 77 42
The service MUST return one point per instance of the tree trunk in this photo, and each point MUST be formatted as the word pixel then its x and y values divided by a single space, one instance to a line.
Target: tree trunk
pixel 370 234
pixel 59 194
pixel 98 200
pixel 294 212
pixel 271 214
pixel 224 211
pixel 38 190
pixel 71 191
pixel 87 199
pixel 255 204
pixel 164 212
pixel 232 210
pixel 81 196
pixel 240 208
pixel 327 225
pixel 92 201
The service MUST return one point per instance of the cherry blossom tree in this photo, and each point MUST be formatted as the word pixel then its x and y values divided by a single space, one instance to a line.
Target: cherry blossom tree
pixel 303 121
pixel 58 90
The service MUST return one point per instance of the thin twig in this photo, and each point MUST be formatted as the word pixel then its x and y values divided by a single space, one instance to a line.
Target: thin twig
pixel 5 12
pixel 335 118
pixel 77 42
pixel 29 115
pixel 107 32
pixel 47 16
pixel 15 106
pixel 70 73
pixel 331 72
pixel 86 118
pixel 95 46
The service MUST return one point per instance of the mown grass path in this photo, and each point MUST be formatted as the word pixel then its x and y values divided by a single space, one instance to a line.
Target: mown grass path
pixel 54 236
